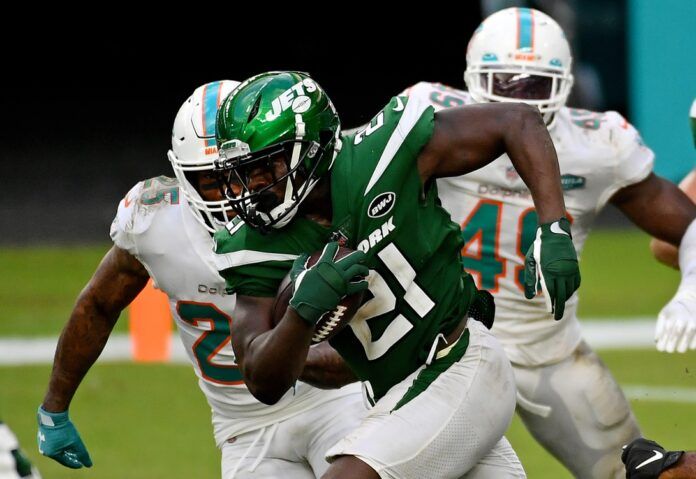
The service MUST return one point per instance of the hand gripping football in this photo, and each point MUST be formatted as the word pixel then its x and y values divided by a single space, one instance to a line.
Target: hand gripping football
pixel 332 321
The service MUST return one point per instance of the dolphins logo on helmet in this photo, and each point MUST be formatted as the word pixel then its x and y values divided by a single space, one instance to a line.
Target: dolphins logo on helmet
pixel 520 54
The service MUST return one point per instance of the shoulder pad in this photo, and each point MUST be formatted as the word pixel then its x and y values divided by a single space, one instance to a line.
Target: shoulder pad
pixel 609 128
pixel 400 114
pixel 237 245
pixel 622 135
pixel 418 88
pixel 439 96
pixel 140 205
pixel 253 264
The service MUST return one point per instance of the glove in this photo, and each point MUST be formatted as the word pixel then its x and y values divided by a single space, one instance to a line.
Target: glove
pixel 645 459
pixel 552 263
pixel 320 288
pixel 676 323
pixel 58 439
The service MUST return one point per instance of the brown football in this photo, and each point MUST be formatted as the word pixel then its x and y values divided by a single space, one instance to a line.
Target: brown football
pixel 332 321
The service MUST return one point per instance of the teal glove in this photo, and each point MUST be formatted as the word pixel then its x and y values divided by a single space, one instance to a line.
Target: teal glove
pixel 59 440
pixel 320 288
pixel 552 263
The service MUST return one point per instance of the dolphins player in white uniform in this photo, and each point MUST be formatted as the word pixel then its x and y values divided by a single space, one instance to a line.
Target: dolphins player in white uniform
pixel 14 464
pixel 163 230
pixel 566 396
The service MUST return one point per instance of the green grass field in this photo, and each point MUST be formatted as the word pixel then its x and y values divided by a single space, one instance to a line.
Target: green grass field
pixel 39 286
pixel 151 421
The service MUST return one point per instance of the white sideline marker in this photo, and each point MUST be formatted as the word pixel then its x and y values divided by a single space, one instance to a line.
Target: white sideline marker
pixel 636 392
pixel 24 351
pixel 634 333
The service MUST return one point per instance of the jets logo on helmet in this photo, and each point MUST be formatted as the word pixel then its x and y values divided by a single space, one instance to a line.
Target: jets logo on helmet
pixel 520 54
pixel 282 127
pixel 294 97
pixel 194 150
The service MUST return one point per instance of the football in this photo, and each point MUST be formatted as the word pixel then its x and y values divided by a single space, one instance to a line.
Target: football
pixel 332 321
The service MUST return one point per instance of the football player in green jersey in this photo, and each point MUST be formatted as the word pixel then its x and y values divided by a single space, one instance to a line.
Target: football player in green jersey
pixel 441 389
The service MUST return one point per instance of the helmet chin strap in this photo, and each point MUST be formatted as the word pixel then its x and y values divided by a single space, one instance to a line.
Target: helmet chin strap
pixel 296 152
pixel 194 199
pixel 280 209
pixel 549 119
pixel 289 207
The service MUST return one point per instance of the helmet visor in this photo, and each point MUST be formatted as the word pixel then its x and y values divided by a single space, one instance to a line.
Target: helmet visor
pixel 520 86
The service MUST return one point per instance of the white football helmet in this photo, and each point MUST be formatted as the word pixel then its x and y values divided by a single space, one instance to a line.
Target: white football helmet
pixel 194 150
pixel 520 55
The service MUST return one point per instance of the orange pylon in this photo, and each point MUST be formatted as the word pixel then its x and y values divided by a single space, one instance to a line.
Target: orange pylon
pixel 150 323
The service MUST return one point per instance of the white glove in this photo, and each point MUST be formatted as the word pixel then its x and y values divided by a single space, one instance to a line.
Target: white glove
pixel 676 323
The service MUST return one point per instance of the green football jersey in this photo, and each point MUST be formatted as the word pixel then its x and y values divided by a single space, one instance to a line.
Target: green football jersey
pixel 418 287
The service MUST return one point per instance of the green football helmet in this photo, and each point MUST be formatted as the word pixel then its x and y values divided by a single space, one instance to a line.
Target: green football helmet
pixel 281 125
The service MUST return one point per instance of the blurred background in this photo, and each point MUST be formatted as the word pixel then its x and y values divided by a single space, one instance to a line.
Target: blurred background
pixel 88 110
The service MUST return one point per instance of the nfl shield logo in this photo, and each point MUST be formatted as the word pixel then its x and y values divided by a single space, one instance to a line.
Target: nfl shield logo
pixel 511 174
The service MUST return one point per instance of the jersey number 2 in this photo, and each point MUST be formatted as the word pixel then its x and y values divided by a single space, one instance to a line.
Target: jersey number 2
pixel 211 341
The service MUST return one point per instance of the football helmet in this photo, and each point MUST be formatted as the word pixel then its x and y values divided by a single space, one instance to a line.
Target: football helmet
pixel 520 55
pixel 281 125
pixel 194 150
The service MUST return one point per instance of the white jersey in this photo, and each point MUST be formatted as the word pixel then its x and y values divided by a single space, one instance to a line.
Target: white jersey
pixel 155 224
pixel 598 154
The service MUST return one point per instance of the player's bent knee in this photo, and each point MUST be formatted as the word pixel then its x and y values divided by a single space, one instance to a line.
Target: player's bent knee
pixel 579 400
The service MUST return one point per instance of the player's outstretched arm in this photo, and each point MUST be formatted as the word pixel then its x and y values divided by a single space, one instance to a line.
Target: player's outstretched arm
pixel 658 207
pixel 467 138
pixel 664 251
pixel 663 210
pixel 326 369
pixel 116 282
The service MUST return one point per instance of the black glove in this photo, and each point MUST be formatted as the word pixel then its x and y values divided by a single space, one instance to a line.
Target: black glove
pixel 645 459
